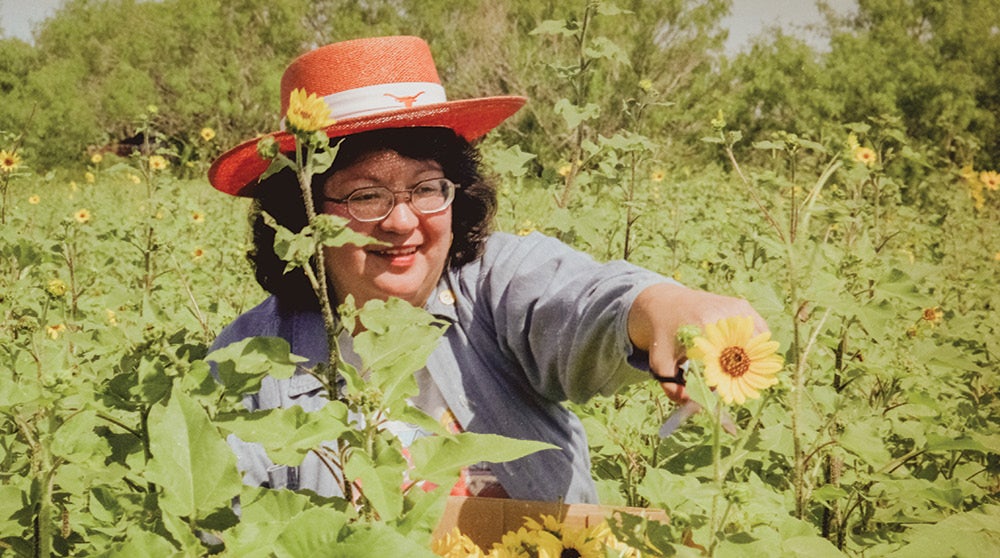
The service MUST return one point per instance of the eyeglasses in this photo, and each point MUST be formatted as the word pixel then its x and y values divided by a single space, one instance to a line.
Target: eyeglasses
pixel 377 202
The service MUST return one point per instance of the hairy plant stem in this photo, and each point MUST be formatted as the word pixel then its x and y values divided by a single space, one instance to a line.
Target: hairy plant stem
pixel 326 372
pixel 718 477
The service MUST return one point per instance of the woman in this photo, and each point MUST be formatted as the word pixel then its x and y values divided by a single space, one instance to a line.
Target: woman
pixel 532 322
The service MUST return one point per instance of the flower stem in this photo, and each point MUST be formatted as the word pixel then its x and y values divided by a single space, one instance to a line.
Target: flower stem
pixel 317 274
pixel 717 476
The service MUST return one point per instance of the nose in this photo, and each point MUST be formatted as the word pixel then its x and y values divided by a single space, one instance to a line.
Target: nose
pixel 402 218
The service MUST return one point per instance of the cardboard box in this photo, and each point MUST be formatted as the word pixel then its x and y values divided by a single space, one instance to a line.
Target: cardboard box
pixel 486 520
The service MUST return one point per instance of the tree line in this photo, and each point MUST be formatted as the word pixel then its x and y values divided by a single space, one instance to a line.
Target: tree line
pixel 98 69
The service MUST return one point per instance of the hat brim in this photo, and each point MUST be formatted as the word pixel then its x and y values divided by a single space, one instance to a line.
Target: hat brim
pixel 238 170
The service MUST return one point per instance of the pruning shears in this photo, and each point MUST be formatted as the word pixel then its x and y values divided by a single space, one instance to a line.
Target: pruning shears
pixel 688 409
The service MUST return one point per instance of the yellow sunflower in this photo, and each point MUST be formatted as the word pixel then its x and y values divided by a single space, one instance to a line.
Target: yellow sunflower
pixel 34 199
pixel 455 544
pixel 657 176
pixel 207 134
pixel 197 217
pixel 54 331
pixel 737 363
pixel 82 215
pixel 583 542
pixel 864 155
pixel 307 112
pixel 933 315
pixel 990 179
pixel 9 161
pixel 525 543
pixel 157 162
pixel 96 158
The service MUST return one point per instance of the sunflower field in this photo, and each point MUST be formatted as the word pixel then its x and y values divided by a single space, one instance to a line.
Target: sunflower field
pixel 855 205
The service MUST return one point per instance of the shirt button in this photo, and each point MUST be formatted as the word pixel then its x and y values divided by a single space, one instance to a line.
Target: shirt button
pixel 446 297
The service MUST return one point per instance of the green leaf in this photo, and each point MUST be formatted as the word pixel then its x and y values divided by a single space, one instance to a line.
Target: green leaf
pixel 314 532
pixel 863 439
pixel 242 365
pixel 511 161
pixel 140 543
pixel 191 461
pixel 813 546
pixel 288 434
pixel 76 440
pixel 575 115
pixel 439 459
pixel 553 27
pixel 377 541
pixel 381 482
pixel 970 534
pixel 331 230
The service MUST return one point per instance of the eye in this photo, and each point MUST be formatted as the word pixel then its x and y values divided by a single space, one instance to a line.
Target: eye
pixel 368 195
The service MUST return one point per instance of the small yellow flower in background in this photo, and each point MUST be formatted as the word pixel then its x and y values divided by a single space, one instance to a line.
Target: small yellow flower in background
pixel 159 214
pixel 34 199
pixel 134 179
pixel 157 162
pixel 152 109
pixel 197 217
pixel 990 179
pixel 864 155
pixel 54 331
pixel 852 142
pixel 933 315
pixel 56 287
pixel 564 170
pixel 527 227
pixel 738 364
pixel 96 158
pixel 646 84
pixel 89 177
pixel 657 176
pixel 307 112
pixel 72 186
pixel 207 134
pixel 112 317
pixel 9 161
pixel 197 253
pixel 996 257
pixel 82 215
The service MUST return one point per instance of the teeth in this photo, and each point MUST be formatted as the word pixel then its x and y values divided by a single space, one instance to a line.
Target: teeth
pixel 398 251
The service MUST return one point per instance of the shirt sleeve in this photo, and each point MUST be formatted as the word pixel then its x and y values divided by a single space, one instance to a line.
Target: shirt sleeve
pixel 562 316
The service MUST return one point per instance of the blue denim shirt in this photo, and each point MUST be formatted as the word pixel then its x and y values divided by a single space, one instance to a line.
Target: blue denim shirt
pixel 533 323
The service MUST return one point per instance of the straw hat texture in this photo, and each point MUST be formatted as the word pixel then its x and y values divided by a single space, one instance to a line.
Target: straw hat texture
pixel 369 84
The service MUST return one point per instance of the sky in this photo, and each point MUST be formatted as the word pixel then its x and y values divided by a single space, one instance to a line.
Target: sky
pixel 748 17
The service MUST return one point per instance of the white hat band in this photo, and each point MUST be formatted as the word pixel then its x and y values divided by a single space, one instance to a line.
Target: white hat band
pixel 373 99
pixel 383 98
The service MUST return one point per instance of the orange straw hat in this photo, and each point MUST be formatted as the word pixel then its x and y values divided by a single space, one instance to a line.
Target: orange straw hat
pixel 369 84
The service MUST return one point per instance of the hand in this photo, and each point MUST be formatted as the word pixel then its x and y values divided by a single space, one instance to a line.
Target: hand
pixel 660 310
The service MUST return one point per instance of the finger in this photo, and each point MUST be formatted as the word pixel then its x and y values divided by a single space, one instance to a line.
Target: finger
pixel 675 392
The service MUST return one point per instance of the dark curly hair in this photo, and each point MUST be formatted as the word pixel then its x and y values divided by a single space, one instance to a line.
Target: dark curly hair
pixel 280 196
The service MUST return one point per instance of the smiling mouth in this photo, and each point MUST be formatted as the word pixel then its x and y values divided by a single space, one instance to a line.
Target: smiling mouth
pixel 396 252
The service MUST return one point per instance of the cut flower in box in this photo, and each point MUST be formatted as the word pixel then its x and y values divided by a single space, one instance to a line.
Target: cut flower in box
pixel 501 527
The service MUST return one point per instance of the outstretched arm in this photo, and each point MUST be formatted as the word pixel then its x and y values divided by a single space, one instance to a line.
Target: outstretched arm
pixel 660 310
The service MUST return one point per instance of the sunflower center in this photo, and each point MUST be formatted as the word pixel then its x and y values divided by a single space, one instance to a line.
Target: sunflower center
pixel 734 361
pixel 570 553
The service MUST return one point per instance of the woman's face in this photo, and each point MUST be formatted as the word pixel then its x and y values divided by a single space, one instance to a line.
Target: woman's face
pixel 410 267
